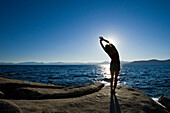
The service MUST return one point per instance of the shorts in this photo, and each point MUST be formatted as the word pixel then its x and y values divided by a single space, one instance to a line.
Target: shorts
pixel 114 67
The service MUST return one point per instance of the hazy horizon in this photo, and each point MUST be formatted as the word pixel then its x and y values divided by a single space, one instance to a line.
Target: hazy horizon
pixel 80 61
pixel 68 30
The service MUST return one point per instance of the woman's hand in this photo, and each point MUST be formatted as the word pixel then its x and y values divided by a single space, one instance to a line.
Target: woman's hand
pixel 101 38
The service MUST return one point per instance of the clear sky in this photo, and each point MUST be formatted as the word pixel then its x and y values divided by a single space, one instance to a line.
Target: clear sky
pixel 68 30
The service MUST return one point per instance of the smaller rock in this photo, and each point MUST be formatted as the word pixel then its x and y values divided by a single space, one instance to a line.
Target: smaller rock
pixel 9 107
pixel 164 101
pixel 1 95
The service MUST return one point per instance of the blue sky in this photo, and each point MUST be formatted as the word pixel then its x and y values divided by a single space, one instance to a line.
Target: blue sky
pixel 68 30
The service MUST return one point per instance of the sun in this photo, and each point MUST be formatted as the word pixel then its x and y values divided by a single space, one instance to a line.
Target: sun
pixel 112 40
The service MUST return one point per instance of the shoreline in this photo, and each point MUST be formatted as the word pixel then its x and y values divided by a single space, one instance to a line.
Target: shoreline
pixel 130 76
pixel 105 83
pixel 33 97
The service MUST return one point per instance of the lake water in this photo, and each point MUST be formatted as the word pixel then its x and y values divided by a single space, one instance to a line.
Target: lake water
pixel 154 80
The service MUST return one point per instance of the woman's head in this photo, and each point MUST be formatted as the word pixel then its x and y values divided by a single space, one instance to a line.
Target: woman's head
pixel 109 48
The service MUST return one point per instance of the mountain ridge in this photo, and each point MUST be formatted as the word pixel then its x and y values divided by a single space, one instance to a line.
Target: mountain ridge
pixel 151 62
pixel 140 62
pixel 57 63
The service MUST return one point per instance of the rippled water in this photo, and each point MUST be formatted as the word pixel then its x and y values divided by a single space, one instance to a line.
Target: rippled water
pixel 151 79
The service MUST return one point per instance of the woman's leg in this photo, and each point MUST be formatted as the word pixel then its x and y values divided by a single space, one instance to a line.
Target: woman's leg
pixel 111 79
pixel 115 82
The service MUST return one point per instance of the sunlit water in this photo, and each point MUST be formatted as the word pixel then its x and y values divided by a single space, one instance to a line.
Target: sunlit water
pixel 153 80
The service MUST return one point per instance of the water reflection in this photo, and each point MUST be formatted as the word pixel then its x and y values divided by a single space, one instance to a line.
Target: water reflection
pixel 106 75
pixel 151 79
pixel 154 80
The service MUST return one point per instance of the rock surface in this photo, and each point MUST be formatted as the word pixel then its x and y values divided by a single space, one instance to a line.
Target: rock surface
pixel 79 99
pixel 165 101
pixel 48 93
pixel 7 85
pixel 1 95
pixel 8 107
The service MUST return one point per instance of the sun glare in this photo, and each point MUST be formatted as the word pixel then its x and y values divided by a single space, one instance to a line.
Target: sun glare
pixel 106 74
pixel 112 39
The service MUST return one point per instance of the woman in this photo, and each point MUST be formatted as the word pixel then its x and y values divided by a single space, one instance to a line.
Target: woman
pixel 115 62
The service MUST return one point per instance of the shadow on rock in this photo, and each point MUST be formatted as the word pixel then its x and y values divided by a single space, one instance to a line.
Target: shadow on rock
pixel 114 104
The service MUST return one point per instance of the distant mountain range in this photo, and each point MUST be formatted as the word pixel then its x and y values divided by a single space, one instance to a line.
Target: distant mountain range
pixel 150 62
pixel 141 62
pixel 55 63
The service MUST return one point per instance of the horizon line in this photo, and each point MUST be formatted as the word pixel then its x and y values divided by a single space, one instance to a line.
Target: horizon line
pixel 81 61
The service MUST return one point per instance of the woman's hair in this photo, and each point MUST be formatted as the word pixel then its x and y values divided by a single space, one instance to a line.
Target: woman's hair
pixel 110 48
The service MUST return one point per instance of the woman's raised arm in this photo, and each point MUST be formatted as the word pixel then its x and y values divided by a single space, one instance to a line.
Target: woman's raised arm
pixel 102 39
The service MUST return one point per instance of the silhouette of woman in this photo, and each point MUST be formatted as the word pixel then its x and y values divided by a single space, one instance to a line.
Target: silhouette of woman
pixel 114 64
